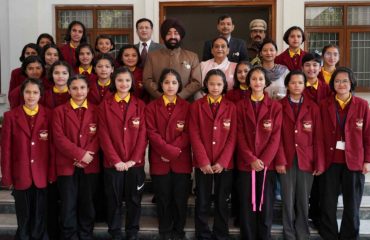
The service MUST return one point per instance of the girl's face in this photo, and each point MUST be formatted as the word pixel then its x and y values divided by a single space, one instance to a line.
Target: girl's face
pixel 130 57
pixel 44 41
pixel 34 70
pixel 60 75
pixel 170 85
pixel 311 69
pixel 30 52
pixel 268 52
pixel 85 56
pixel 257 81
pixel 296 85
pixel 123 83
pixel 331 57
pixel 51 56
pixel 220 49
pixel 31 95
pixel 78 90
pixel 342 83
pixel 76 33
pixel 104 69
pixel 242 73
pixel 104 45
pixel 215 85
pixel 295 39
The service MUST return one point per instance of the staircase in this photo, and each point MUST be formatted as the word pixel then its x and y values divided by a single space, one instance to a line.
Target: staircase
pixel 148 226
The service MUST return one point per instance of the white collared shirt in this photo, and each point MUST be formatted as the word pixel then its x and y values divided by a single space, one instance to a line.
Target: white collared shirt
pixel 141 46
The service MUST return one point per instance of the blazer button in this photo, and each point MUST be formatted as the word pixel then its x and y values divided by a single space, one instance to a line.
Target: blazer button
pixel 296 145
pixel 214 127
pixel 331 149
pixel 296 131
pixel 32 160
pixel 81 136
pixel 213 142
pixel 32 143
pixel 125 129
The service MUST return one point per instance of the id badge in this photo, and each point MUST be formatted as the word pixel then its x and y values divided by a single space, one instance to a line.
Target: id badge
pixel 340 145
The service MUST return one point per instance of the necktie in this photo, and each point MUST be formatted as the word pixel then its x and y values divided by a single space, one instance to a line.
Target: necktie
pixel 144 53
pixel 170 107
pixel 85 73
pixel 214 108
pixel 122 104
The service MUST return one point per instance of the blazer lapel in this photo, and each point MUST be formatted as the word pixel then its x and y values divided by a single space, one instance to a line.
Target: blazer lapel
pixel 249 111
pixel 288 109
pixel 39 120
pixel 332 111
pixel 162 108
pixel 22 121
pixel 264 108
pixel 206 108
pixel 71 115
pixel 303 110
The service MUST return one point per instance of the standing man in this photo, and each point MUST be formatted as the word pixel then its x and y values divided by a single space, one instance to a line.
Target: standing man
pixel 185 62
pixel 237 48
pixel 144 30
pixel 257 28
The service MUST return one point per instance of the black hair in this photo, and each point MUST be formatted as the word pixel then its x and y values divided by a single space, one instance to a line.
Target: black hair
pixel 311 57
pixel 122 50
pixel 169 71
pixel 118 71
pixel 267 41
pixel 30 45
pixel 287 33
pixel 76 77
pixel 236 81
pixel 104 36
pixel 69 29
pixel 29 60
pixel 105 56
pixel 325 48
pixel 34 81
pixel 224 16
pixel 143 20
pixel 255 69
pixel 45 35
pixel 214 72
pixel 293 73
pixel 78 50
pixel 59 63
pixel 220 37
pixel 351 77
pixel 51 45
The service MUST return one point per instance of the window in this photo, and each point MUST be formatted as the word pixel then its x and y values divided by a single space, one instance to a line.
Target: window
pixel 115 21
pixel 346 25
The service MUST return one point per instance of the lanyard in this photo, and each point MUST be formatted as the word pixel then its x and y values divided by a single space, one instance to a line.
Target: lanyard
pixel 299 106
pixel 341 124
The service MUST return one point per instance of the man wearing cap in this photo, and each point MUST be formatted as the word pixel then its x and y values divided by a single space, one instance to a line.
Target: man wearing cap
pixel 237 47
pixel 257 28
pixel 185 62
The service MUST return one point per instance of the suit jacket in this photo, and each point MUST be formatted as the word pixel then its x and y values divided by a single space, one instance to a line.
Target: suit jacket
pixel 237 53
pixel 168 137
pixel 356 131
pixel 185 62
pixel 68 132
pixel 25 155
pixel 122 136
pixel 323 91
pixel 212 138
pixel 258 138
pixel 285 59
pixel 302 137
pixel 152 47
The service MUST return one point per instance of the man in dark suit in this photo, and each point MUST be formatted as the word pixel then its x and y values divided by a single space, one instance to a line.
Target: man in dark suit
pixel 144 30
pixel 238 50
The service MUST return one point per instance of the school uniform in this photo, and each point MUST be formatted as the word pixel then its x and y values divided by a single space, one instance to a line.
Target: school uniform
pixel 122 134
pixel 16 79
pixel 235 95
pixel 346 122
pixel 69 53
pixel 53 97
pixel 293 61
pixel 167 127
pixel 259 128
pixel 317 92
pixel 98 92
pixel 89 73
pixel 301 152
pixel 140 91
pixel 25 142
pixel 212 130
pixel 74 133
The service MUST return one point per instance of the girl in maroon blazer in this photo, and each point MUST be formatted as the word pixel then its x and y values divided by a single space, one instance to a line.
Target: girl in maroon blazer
pixel 346 124
pixel 122 135
pixel 259 126
pixel 85 61
pixel 240 88
pixel 330 59
pixel 212 129
pixel 292 56
pixel 25 159
pixel 76 162
pixel 300 156
pixel 169 155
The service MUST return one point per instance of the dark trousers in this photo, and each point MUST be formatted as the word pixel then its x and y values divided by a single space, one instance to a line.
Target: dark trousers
pixel 256 225
pixel 99 197
pixel 171 194
pixel 30 208
pixel 53 221
pixel 339 177
pixel 314 212
pixel 222 188
pixel 128 186
pixel 77 207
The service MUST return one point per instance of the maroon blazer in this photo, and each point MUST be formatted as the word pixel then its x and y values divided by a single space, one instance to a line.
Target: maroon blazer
pixel 212 139
pixel 94 96
pixel 69 54
pixel 235 95
pixel 15 98
pixel 16 79
pixel 122 136
pixel 168 137
pixel 323 91
pixel 91 77
pixel 285 59
pixel 356 131
pixel 25 154
pixel 302 137
pixel 258 138
pixel 52 100
pixel 68 131
pixel 140 91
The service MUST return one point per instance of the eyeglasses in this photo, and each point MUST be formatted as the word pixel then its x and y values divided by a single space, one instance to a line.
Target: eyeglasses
pixel 329 54
pixel 345 81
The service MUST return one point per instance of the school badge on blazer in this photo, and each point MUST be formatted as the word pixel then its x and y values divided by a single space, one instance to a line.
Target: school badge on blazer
pixel 359 123
pixel 44 135
pixel 92 128
pixel 307 126
pixel 180 125
pixel 226 123
pixel 267 124
pixel 135 122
